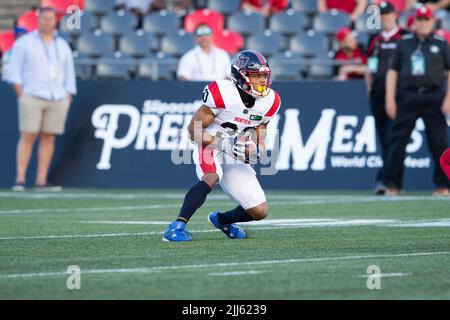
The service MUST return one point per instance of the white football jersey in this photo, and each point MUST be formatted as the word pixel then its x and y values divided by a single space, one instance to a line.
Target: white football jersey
pixel 231 115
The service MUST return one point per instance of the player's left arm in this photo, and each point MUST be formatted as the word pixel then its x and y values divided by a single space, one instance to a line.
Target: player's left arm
pixel 260 138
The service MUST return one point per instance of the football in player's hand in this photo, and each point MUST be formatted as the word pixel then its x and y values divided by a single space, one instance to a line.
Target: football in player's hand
pixel 250 146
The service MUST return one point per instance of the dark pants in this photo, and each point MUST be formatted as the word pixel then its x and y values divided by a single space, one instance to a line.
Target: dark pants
pixel 410 107
pixel 383 125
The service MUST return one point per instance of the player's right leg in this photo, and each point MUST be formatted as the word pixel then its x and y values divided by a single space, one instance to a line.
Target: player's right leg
pixel 209 172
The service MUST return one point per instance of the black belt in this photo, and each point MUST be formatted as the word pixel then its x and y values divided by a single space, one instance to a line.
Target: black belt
pixel 422 89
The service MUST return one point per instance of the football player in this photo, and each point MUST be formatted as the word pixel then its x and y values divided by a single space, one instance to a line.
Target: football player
pixel 229 132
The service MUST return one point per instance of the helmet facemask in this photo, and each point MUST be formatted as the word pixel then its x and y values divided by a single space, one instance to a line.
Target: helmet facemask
pixel 259 89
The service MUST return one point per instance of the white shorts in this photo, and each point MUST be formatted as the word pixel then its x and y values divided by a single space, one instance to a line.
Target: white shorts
pixel 236 179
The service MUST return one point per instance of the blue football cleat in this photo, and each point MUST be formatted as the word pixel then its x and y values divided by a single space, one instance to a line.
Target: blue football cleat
pixel 176 232
pixel 233 231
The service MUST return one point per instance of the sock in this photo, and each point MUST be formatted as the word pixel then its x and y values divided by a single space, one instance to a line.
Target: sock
pixel 193 200
pixel 238 214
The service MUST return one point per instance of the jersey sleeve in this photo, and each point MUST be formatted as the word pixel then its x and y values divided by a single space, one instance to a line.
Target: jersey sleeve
pixel 395 61
pixel 212 97
pixel 273 109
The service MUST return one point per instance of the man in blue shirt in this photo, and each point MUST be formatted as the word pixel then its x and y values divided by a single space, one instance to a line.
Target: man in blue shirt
pixel 42 73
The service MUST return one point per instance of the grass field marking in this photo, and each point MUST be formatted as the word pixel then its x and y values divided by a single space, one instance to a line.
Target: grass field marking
pixel 306 199
pixel 254 227
pixel 234 273
pixel 223 265
pixel 120 222
pixel 388 275
pixel 78 209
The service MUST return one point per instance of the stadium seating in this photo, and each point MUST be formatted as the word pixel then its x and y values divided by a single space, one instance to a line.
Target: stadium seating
pixel 308 43
pixel 28 20
pixel 287 66
pixel 99 7
pixel 361 25
pixel 114 66
pixel 95 44
pixel 225 7
pixel 160 67
pixel 246 22
pixel 321 68
pixel 88 23
pixel 83 65
pixel 445 23
pixel 329 22
pixel 118 23
pixel 295 38
pixel 178 43
pixel 212 18
pixel 161 23
pixel 267 42
pixel 6 40
pixel 137 44
pixel 230 41
pixel 306 6
pixel 288 22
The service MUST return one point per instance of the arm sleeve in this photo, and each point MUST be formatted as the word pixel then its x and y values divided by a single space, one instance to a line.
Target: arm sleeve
pixel 16 64
pixel 184 68
pixel 394 62
pixel 70 77
pixel 212 98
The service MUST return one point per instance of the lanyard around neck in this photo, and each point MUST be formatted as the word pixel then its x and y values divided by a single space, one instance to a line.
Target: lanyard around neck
pixel 46 49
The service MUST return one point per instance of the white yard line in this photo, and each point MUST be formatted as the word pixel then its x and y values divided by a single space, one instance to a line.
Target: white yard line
pixel 222 265
pixel 234 273
pixel 89 209
pixel 387 275
pixel 260 225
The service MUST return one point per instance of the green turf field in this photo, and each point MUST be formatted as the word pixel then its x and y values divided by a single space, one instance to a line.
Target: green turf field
pixel 312 246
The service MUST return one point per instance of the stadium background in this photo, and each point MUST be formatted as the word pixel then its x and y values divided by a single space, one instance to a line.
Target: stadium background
pixel 120 61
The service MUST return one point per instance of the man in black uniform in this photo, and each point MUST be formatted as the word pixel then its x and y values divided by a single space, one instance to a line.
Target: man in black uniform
pixel 419 67
pixel 379 50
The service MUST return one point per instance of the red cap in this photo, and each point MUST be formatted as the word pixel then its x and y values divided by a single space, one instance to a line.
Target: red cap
pixel 424 12
pixel 343 33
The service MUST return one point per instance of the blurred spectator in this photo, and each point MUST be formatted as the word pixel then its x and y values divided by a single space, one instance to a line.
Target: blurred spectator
pixel 43 76
pixel 417 86
pixel 350 51
pixel 205 62
pixel 445 162
pixel 265 7
pixel 380 50
pixel 180 7
pixel 355 8
pixel 440 8
pixel 434 5
pixel 141 7
pixel 18 32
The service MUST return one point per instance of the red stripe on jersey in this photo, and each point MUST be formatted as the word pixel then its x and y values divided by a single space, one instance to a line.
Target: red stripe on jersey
pixel 206 159
pixel 274 108
pixel 218 101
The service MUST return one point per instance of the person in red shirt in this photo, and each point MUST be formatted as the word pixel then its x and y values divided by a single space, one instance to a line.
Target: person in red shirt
pixel 355 8
pixel 445 162
pixel 265 7
pixel 350 51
